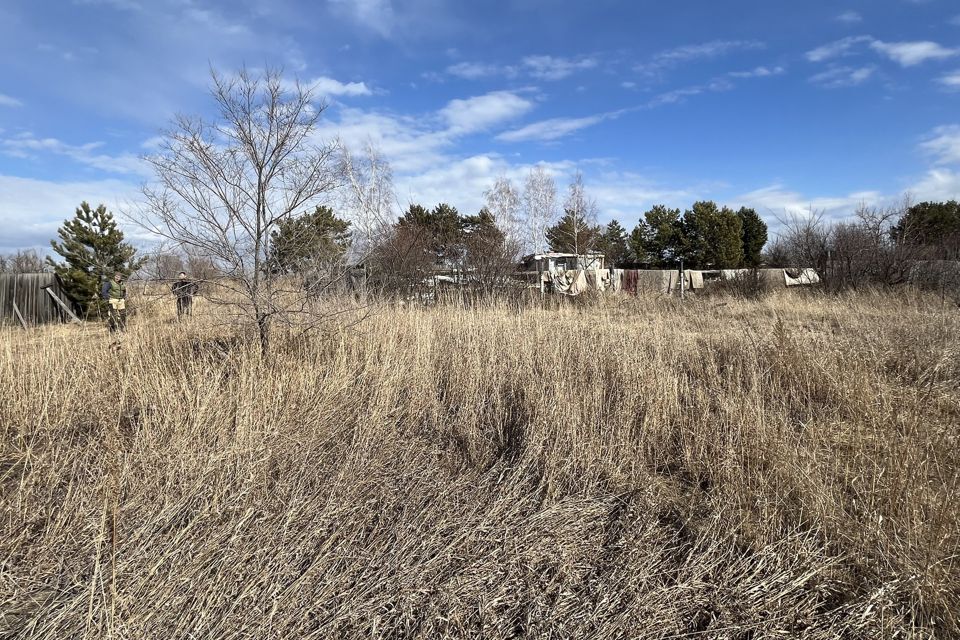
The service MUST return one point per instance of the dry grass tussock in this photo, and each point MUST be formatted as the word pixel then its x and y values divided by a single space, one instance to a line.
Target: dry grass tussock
pixel 726 469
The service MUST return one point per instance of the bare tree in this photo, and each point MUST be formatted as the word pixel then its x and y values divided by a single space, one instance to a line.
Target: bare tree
pixel 503 201
pixel 582 211
pixel 539 200
pixel 22 261
pixel 805 238
pixel 369 197
pixel 225 185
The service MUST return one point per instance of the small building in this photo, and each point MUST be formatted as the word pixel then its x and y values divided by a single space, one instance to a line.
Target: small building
pixel 555 261
pixel 31 299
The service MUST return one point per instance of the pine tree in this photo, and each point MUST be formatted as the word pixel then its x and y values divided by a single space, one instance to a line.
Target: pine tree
pixel 309 241
pixel 93 249
pixel 754 236
pixel 573 234
pixel 659 239
pixel 714 236
pixel 613 243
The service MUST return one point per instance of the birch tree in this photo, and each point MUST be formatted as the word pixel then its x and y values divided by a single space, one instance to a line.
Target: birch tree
pixel 503 202
pixel 539 207
pixel 577 230
pixel 369 196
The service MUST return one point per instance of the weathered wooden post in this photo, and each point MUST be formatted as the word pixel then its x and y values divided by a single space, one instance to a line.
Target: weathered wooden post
pixel 61 303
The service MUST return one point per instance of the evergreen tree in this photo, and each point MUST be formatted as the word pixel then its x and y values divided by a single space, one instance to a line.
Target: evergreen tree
pixel 613 243
pixel 482 228
pixel 93 249
pixel 573 234
pixel 659 238
pixel 441 229
pixel 309 241
pixel 714 236
pixel 929 224
pixel 639 241
pixel 753 238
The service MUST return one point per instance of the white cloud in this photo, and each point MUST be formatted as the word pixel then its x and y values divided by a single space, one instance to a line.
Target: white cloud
pixel 850 17
pixel 481 112
pixel 908 54
pixel 955 21
pixel 951 80
pixel 943 145
pixel 376 15
pixel 541 67
pixel 7 101
pixel 776 200
pixel 552 129
pixel 936 185
pixel 718 84
pixel 329 87
pixel 628 85
pixel 835 49
pixel 841 76
pixel 31 210
pixel 553 68
pixel 673 57
pixel 26 145
pixel 759 72
pixel 473 70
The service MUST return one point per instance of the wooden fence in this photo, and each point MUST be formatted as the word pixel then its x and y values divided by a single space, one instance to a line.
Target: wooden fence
pixel 29 294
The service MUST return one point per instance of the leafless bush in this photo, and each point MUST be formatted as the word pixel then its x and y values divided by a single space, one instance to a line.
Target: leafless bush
pixel 747 284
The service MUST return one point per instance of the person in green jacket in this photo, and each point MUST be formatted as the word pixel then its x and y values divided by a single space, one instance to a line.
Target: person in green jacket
pixel 114 292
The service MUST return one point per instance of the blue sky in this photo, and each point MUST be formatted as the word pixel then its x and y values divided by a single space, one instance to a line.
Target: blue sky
pixel 773 104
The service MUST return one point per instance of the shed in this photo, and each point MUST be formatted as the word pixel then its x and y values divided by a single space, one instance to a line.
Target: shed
pixel 33 296
pixel 556 261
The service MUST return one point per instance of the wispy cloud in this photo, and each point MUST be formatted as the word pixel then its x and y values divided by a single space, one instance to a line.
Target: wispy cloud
pixel 540 67
pixel 376 15
pixel 716 85
pixel 838 77
pixel 554 68
pixel 7 101
pixel 908 54
pixel 951 80
pixel 26 145
pixel 554 128
pixel 474 70
pixel 679 55
pixel 758 72
pixel 849 17
pixel 943 145
pixel 836 49
pixel 776 199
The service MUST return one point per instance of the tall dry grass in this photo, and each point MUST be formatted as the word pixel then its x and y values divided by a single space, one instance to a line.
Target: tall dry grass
pixel 641 468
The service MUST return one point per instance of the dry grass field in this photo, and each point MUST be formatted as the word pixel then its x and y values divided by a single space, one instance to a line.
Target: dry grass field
pixel 638 468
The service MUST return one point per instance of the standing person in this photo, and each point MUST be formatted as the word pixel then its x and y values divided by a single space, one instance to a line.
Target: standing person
pixel 114 292
pixel 184 289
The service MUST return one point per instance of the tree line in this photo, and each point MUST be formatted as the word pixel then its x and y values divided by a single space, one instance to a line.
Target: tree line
pixel 253 197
